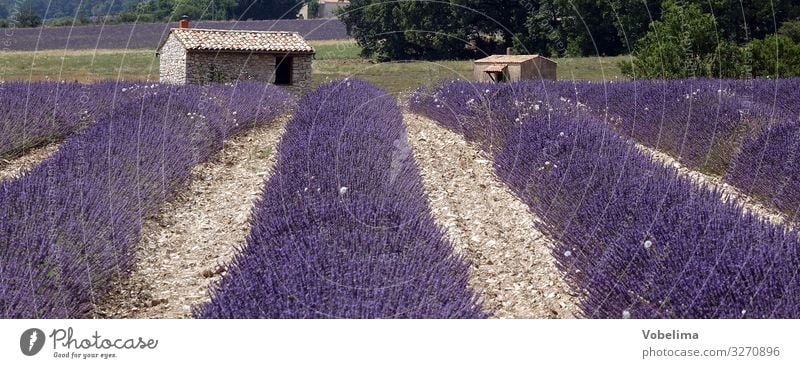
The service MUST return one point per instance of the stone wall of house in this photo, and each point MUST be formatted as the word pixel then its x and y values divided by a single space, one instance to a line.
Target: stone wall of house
pixel 172 62
pixel 223 67
pixel 301 74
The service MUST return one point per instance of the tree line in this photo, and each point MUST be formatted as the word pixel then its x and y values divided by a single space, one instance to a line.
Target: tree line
pixel 668 38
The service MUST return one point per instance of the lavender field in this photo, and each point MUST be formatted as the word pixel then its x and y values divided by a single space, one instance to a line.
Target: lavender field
pixel 148 35
pixel 635 237
pixel 342 225
pixel 350 223
pixel 68 227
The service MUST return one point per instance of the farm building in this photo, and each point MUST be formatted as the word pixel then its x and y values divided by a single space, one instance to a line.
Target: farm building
pixel 324 9
pixel 512 68
pixel 199 56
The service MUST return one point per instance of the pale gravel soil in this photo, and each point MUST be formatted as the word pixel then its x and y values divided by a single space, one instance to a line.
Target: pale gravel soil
pixel 512 267
pixel 16 167
pixel 729 192
pixel 185 247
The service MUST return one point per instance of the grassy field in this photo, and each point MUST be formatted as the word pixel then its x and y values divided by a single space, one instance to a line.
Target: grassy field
pixel 334 60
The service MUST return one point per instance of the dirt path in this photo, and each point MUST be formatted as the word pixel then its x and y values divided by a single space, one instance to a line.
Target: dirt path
pixel 512 267
pixel 730 192
pixel 14 168
pixel 184 247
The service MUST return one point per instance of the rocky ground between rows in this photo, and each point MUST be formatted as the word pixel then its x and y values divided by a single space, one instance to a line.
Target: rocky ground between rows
pixel 16 167
pixel 512 267
pixel 729 192
pixel 184 248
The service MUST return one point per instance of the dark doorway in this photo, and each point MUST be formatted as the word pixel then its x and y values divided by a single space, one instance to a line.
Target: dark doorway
pixel 498 77
pixel 283 71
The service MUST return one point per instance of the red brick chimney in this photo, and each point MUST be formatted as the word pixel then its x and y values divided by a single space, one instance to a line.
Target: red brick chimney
pixel 184 21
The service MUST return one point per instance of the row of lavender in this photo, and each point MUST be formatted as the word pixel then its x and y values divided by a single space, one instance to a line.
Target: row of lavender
pixel 148 35
pixel 634 237
pixel 36 113
pixel 744 131
pixel 68 227
pixel 343 229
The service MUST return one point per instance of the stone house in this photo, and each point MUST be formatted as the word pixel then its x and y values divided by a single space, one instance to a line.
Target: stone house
pixel 325 9
pixel 512 68
pixel 200 56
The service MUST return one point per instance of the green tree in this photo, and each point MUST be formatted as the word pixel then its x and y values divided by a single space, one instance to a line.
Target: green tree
pixel 597 27
pixel 401 31
pixel 313 8
pixel 170 10
pixel 541 33
pixel 740 21
pixel 452 29
pixel 776 56
pixel 26 17
pixel 3 12
pixel 589 27
pixel 683 44
pixel 791 29
pixel 631 19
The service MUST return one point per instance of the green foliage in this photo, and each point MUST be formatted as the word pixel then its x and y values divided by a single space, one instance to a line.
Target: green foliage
pixel 458 29
pixel 461 29
pixel 791 29
pixel 684 44
pixel 398 31
pixel 170 10
pixel 740 21
pixel 776 56
pixel 313 8
pixel 600 27
pixel 540 32
pixel 25 18
pixel 454 29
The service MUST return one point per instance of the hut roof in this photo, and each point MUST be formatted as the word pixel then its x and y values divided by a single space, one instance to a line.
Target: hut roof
pixel 510 59
pixel 243 41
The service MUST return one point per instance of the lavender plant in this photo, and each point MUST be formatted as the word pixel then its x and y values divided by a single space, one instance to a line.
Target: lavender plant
pixel 37 113
pixel 734 129
pixel 634 237
pixel 342 229
pixel 640 240
pixel 68 227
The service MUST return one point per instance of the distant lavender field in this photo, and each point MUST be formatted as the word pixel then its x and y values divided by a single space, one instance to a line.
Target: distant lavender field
pixel 148 35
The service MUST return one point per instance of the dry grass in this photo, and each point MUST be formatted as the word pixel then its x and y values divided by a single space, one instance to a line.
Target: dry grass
pixel 334 60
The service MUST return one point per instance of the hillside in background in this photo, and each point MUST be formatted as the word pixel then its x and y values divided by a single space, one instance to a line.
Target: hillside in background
pixel 65 12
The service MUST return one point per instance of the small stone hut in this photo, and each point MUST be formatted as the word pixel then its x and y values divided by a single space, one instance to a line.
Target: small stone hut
pixel 200 56
pixel 512 68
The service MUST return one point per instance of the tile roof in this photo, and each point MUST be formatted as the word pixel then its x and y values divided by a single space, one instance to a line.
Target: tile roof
pixel 510 59
pixel 235 40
